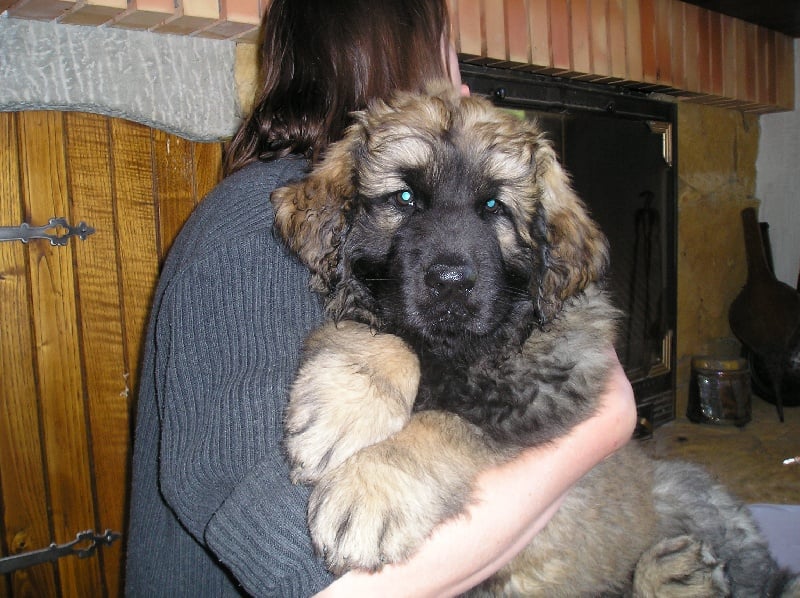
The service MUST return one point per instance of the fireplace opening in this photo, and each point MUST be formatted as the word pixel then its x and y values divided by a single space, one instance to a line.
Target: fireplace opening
pixel 619 148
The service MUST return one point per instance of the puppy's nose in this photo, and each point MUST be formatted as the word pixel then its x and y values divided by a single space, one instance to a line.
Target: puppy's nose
pixel 450 278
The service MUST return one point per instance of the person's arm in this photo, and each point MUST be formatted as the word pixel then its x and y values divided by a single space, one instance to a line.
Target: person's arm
pixel 513 503
pixel 227 366
pixel 228 335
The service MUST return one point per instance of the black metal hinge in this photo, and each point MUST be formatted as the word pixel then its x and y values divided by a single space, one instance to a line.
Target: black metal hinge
pixel 83 546
pixel 61 232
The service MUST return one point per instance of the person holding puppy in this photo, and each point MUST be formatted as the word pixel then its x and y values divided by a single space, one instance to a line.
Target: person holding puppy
pixel 213 512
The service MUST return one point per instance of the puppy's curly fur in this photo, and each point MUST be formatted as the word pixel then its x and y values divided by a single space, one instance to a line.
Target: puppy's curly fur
pixel 464 280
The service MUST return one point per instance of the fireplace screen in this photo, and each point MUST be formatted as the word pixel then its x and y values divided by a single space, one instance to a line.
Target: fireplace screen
pixel 618 148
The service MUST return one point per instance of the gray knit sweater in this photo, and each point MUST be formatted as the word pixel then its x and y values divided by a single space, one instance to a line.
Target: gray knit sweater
pixel 213 512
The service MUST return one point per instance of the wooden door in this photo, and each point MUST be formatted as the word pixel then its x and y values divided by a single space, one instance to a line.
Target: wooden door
pixel 72 320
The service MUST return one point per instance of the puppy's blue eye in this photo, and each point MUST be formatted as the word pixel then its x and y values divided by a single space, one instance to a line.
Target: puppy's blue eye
pixel 492 205
pixel 404 198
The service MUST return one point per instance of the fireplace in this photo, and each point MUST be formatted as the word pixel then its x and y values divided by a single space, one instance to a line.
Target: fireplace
pixel 619 149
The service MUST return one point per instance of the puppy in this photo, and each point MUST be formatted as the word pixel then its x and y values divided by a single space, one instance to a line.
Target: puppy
pixel 464 280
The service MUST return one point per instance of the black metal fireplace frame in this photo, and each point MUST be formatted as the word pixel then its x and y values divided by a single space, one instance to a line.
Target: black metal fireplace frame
pixel 518 89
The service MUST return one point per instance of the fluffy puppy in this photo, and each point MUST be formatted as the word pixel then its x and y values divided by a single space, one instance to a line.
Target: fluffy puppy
pixel 464 280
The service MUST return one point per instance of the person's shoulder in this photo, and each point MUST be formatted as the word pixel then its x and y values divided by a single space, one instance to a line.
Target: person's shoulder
pixel 259 177
pixel 244 196
pixel 235 211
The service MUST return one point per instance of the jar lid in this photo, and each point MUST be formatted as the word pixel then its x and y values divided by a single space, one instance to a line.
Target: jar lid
pixel 706 362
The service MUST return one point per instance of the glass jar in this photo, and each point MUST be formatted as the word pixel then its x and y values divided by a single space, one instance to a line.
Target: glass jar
pixel 719 391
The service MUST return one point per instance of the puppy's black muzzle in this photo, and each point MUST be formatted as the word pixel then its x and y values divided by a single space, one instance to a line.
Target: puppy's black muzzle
pixel 450 280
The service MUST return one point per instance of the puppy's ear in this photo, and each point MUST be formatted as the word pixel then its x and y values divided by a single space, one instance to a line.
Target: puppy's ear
pixel 310 215
pixel 575 249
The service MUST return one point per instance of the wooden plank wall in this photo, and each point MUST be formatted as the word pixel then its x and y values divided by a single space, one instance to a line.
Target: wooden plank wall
pixel 73 321
pixel 665 45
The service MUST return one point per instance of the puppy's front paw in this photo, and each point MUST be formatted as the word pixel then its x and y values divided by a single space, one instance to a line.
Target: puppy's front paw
pixel 680 567
pixel 364 516
pixel 354 388
pixel 381 504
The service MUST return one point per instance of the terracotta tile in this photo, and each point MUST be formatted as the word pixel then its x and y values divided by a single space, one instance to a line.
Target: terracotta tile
pixel 740 60
pixel 616 39
pixel 159 6
pixel 40 10
pixel 762 65
pixel 470 40
pixel 145 14
pixel 663 35
pixel 647 16
pixel 768 65
pixel 784 71
pixel 633 40
pixel 241 11
pixel 203 9
pixel 94 12
pixel 715 53
pixel 494 29
pixel 750 62
pixel 580 36
pixel 539 27
pixel 452 11
pixel 184 25
pixel 598 30
pixel 560 34
pixel 191 16
pixel 517 34
pixel 700 73
pixel 684 45
pixel 691 59
pixel 729 52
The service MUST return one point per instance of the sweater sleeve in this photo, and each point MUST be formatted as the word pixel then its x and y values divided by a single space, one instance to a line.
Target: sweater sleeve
pixel 228 335
pixel 241 533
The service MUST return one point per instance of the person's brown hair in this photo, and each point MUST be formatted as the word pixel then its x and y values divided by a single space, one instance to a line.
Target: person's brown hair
pixel 323 59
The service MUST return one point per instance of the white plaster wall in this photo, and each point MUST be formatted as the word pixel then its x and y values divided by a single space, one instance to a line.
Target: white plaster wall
pixel 778 182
